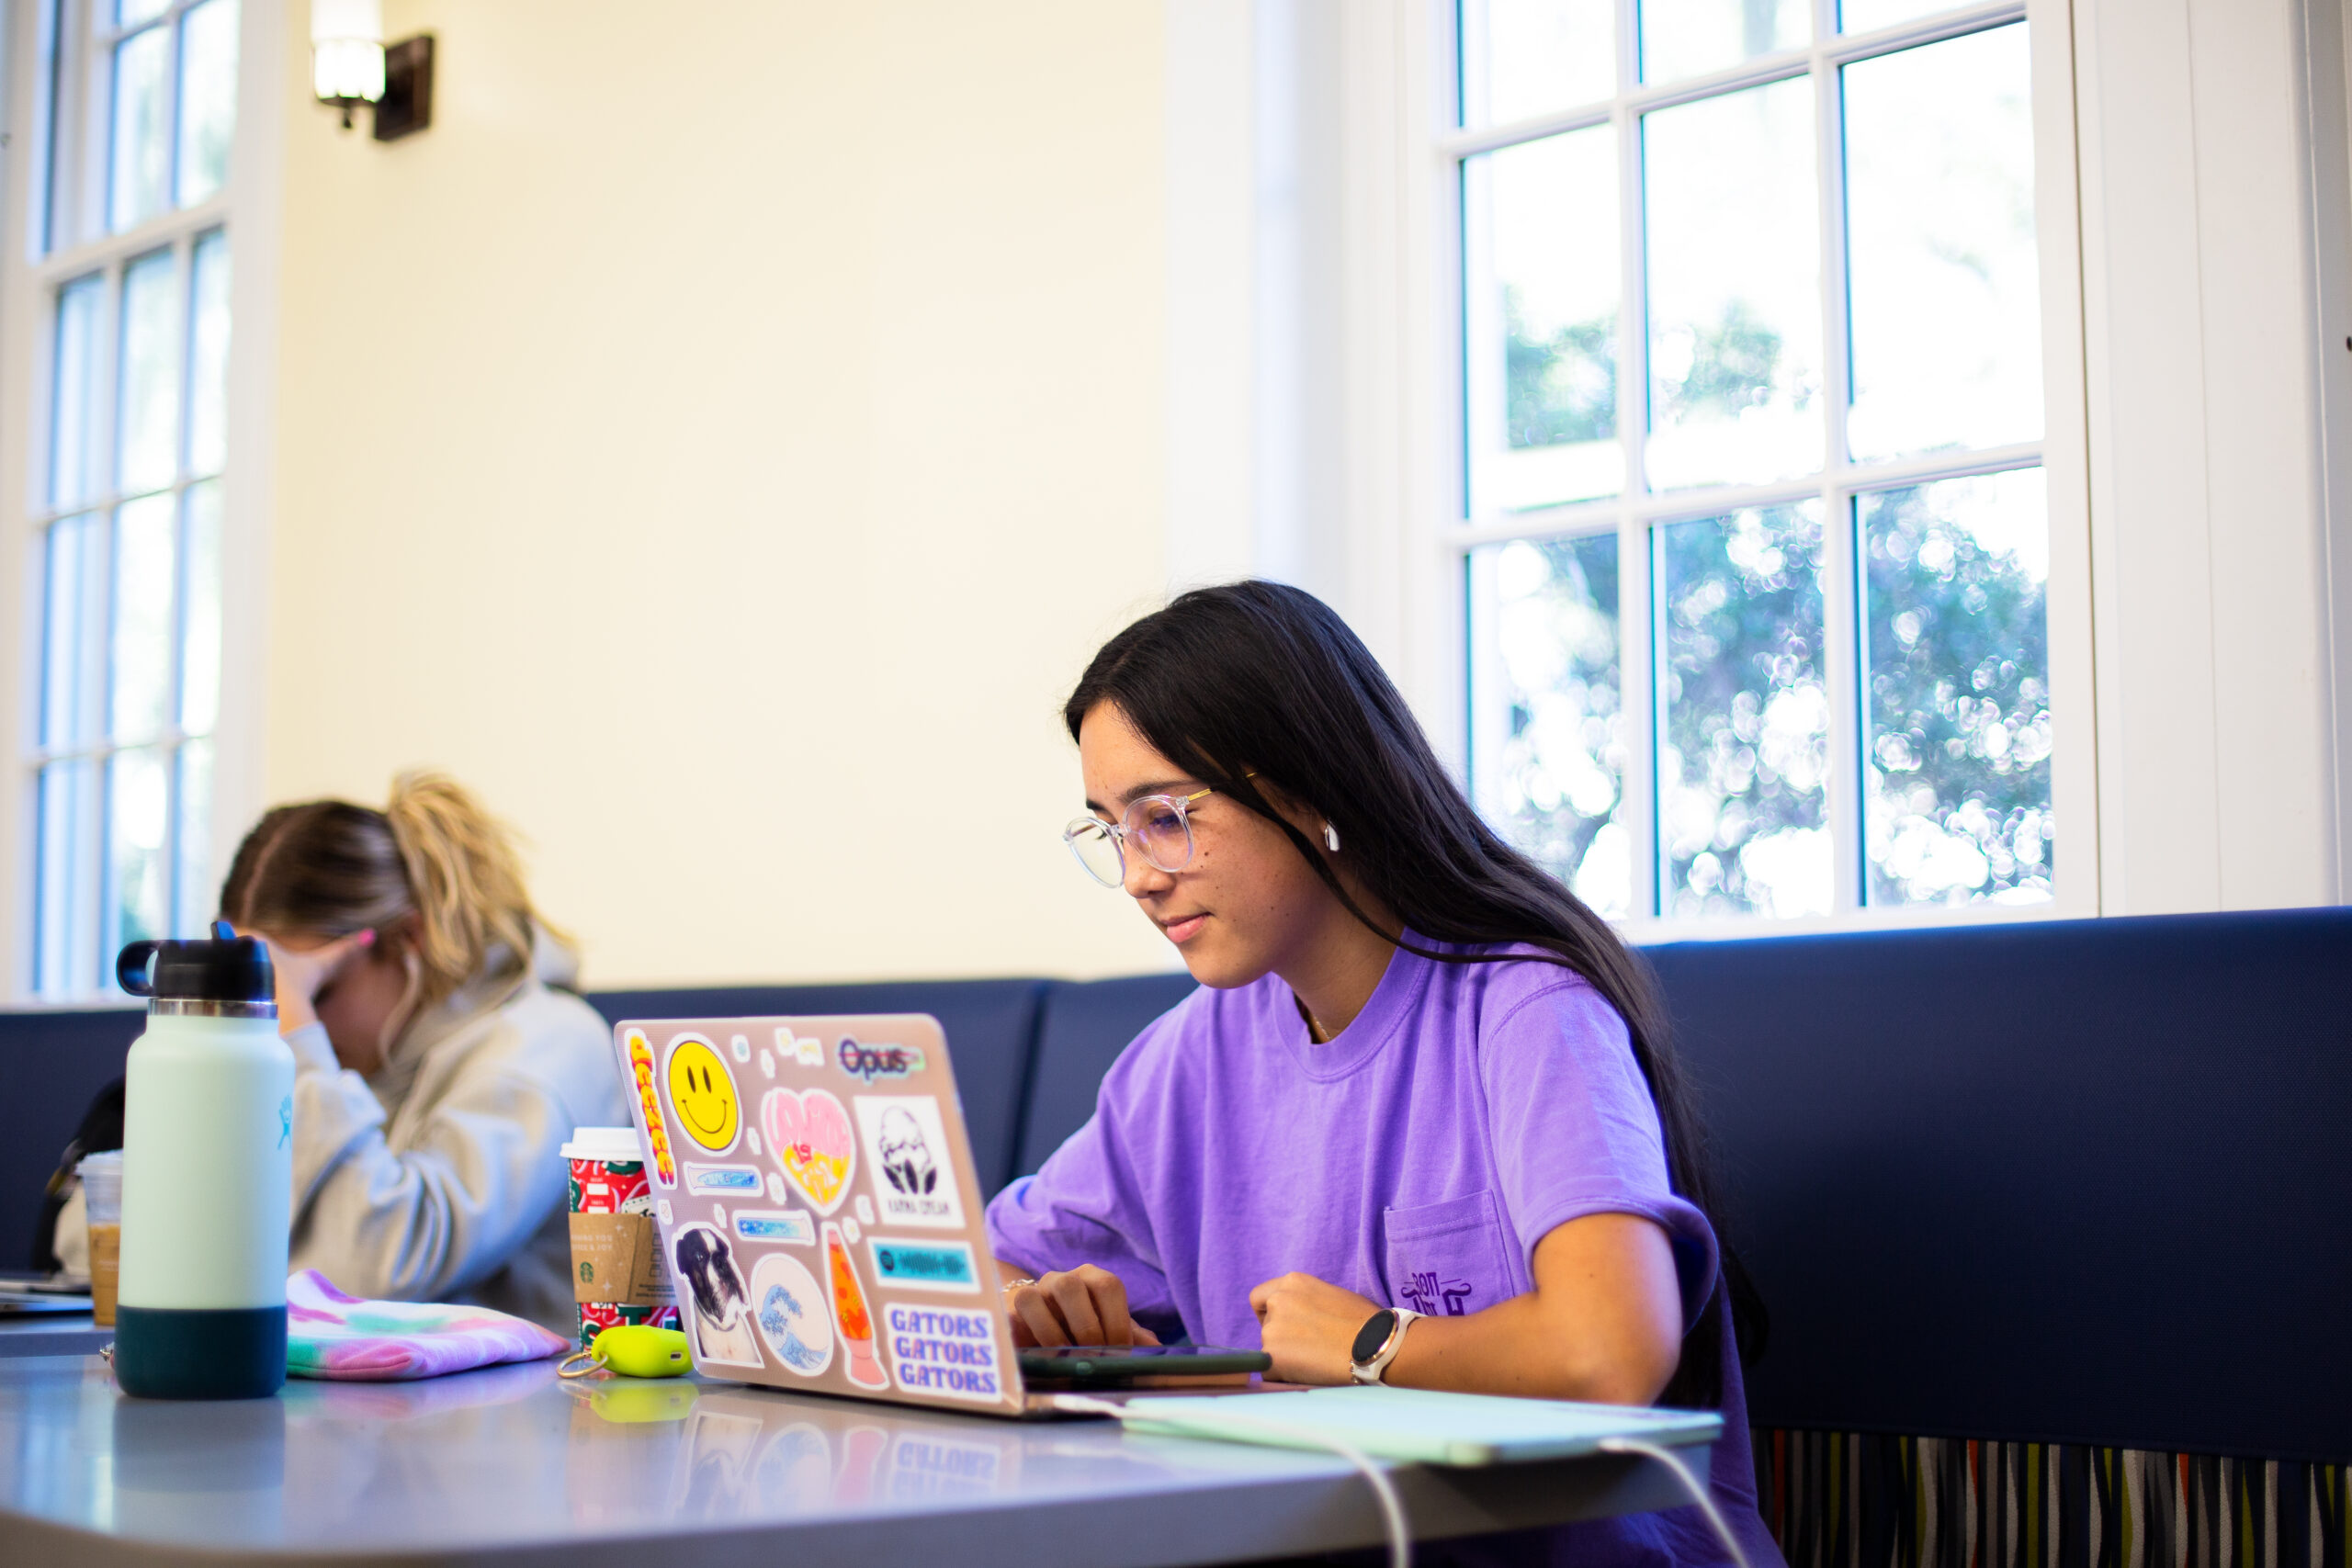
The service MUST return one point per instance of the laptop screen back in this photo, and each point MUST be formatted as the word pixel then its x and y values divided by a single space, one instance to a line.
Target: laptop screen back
pixel 819 1209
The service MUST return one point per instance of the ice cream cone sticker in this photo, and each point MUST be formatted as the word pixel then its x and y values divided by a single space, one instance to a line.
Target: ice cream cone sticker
pixel 657 1132
pixel 850 1314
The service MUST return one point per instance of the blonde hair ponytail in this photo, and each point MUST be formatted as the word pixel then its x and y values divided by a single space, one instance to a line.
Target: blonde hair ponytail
pixel 328 868
pixel 464 875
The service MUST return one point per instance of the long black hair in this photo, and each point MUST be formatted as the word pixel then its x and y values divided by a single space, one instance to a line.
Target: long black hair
pixel 1256 684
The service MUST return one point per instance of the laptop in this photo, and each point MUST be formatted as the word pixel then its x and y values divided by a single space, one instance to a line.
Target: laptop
pixel 823 1221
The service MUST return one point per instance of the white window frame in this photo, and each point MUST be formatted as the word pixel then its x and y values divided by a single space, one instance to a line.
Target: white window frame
pixel 1407 381
pixel 247 207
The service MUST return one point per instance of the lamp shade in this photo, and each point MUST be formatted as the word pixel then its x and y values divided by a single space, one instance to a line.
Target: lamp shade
pixel 347 49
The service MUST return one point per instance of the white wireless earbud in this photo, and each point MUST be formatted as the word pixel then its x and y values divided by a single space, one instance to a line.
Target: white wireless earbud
pixel 1330 837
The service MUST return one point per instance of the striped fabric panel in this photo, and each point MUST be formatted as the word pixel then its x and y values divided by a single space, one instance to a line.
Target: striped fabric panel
pixel 1854 1500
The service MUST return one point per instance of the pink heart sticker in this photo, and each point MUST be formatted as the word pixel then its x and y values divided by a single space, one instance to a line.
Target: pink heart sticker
pixel 809 1138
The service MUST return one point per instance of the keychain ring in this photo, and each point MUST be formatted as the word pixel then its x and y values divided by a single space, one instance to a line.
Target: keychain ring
pixel 563 1369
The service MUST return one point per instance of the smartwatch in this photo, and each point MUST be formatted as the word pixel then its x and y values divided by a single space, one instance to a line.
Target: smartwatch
pixel 1377 1342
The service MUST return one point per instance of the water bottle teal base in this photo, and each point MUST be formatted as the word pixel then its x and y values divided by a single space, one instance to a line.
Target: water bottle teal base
pixel 199 1353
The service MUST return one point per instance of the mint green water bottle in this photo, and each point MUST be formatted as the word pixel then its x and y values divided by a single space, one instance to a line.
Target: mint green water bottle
pixel 208 1174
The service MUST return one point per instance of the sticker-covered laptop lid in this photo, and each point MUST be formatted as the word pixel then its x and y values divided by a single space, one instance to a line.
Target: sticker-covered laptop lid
pixel 818 1205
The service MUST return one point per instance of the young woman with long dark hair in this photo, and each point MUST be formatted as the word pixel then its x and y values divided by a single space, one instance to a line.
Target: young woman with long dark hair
pixel 1422 1123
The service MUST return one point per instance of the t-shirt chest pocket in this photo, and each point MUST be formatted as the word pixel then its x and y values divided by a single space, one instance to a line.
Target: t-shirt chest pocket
pixel 1447 1259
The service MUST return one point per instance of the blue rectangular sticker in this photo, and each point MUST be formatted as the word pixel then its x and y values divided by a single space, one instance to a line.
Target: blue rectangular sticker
pixel 792 1225
pixel 729 1178
pixel 925 1265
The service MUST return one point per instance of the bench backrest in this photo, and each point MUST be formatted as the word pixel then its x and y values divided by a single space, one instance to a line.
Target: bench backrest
pixel 2080 1182
pixel 56 1063
pixel 1081 1032
pixel 2086 1182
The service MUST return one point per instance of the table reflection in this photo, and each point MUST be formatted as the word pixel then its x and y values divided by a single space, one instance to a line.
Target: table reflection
pixel 746 1454
pixel 218 1468
pixel 509 1454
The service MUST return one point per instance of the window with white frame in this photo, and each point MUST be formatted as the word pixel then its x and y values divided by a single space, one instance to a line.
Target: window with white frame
pixel 1754 527
pixel 137 103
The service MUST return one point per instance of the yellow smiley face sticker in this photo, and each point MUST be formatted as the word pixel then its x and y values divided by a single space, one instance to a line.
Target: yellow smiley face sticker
pixel 703 1092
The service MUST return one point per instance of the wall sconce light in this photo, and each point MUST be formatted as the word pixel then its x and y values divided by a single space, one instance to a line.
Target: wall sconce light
pixel 351 66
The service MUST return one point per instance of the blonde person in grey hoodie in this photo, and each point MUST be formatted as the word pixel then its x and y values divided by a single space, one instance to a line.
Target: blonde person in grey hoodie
pixel 437 1075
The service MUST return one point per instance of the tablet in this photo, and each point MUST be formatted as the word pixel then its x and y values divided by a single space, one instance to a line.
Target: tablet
pixel 1412 1426
pixel 1099 1366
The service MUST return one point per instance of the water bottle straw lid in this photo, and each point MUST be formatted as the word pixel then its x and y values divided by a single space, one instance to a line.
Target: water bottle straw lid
pixel 225 968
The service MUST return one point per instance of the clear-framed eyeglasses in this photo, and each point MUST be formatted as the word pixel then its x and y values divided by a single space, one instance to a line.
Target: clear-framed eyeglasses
pixel 1158 826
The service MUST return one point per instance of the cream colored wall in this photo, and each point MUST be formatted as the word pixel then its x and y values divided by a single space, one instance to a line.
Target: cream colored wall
pixel 721 439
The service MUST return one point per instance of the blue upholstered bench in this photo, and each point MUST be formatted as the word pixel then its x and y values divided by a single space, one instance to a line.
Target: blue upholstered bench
pixel 56 1063
pixel 2054 1218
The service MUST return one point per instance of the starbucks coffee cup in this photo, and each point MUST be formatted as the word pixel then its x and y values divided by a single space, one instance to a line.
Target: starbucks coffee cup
pixel 618 1271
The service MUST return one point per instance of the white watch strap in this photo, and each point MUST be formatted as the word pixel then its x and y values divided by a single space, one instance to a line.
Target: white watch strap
pixel 1377 1369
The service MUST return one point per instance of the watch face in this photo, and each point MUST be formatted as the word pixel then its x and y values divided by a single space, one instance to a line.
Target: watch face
pixel 1372 1335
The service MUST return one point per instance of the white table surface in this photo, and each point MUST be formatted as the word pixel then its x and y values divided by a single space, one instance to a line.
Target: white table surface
pixel 508 1465
pixel 51 1334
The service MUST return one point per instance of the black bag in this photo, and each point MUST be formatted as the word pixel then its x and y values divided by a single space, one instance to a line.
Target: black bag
pixel 101 1129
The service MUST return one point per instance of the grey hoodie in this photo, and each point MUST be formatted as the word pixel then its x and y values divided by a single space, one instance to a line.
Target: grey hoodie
pixel 442 1177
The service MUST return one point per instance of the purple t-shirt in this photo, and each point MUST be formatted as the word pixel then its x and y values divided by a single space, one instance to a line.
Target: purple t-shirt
pixel 1416 1160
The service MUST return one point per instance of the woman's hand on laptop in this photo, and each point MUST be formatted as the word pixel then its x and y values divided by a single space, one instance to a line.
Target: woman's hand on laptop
pixel 1085 1305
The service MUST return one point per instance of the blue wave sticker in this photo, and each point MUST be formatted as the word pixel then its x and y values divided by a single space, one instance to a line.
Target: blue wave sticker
pixel 722 1178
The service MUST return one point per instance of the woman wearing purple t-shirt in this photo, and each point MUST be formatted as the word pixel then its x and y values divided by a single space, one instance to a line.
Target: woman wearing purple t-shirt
pixel 1424 1098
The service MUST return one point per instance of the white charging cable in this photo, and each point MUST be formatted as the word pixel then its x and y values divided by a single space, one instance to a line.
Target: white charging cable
pixel 1673 1462
pixel 1392 1511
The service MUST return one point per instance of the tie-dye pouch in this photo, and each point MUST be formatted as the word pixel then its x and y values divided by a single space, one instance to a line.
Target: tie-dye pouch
pixel 330 1335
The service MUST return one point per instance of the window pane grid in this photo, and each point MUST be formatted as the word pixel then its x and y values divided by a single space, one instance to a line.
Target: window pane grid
pixel 1835 495
pixel 139 161
pixel 1834 49
pixel 1840 661
pixel 1955 774
pixel 128 528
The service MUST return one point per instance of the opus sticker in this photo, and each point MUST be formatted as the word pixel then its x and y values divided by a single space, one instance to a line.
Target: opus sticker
pixel 792 1225
pixel 908 1145
pixel 926 1266
pixel 722 1178
pixel 943 1350
pixel 871 1062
